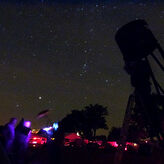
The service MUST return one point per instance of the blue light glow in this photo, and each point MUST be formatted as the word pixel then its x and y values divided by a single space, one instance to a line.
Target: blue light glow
pixel 55 125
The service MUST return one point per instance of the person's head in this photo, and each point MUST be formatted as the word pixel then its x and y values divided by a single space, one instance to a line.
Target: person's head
pixel 13 121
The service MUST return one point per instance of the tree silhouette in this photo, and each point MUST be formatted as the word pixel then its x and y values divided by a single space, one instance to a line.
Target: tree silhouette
pixel 86 121
pixel 74 122
pixel 95 117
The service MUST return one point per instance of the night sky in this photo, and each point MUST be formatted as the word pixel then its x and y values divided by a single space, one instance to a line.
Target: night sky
pixel 63 56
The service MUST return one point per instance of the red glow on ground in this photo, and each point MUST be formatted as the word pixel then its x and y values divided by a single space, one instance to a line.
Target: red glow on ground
pixel 86 141
pixel 37 140
pixel 97 142
pixel 132 144
pixel 72 136
pixel 113 143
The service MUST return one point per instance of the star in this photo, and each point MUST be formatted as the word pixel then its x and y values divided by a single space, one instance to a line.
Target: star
pixel 17 105
pixel 39 97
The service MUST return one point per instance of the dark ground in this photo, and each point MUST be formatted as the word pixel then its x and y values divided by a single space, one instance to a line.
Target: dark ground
pixel 84 156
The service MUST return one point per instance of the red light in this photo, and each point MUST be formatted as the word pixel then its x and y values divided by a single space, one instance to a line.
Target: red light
pixel 129 143
pixel 98 142
pixel 113 143
pixel 37 140
pixel 86 141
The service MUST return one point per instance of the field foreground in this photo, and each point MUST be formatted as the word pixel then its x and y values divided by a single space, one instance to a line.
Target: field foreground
pixel 78 156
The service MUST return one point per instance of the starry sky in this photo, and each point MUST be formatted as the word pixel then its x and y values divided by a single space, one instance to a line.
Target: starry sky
pixel 62 55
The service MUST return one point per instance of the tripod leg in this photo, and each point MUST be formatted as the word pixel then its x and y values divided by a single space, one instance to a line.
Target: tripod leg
pixel 124 130
pixel 160 50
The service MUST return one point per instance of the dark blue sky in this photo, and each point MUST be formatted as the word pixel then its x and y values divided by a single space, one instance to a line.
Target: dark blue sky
pixel 79 1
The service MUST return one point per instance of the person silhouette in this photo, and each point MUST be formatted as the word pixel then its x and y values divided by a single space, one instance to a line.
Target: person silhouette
pixel 9 134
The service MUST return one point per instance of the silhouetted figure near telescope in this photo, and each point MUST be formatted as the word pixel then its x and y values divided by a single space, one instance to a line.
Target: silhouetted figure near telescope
pixel 136 42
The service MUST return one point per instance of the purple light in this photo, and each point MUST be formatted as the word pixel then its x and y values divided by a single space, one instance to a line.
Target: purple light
pixel 27 124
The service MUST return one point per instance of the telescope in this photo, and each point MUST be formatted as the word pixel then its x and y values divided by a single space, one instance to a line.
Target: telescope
pixel 137 43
